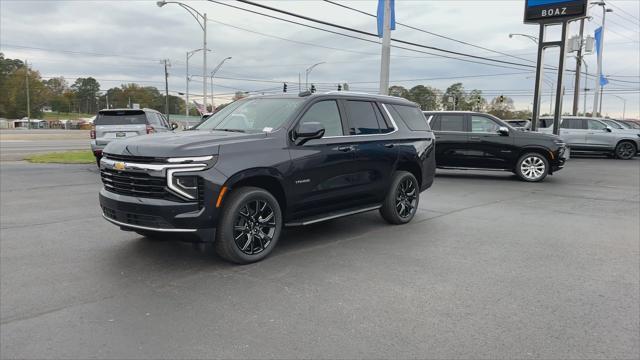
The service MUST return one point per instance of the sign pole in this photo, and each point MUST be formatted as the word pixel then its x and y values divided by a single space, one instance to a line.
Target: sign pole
pixel 559 85
pixel 538 85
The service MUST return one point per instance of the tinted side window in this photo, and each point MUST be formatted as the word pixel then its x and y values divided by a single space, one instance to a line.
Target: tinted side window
pixel 571 124
pixel 326 113
pixel 481 124
pixel 362 118
pixel 412 117
pixel 545 123
pixel 435 122
pixel 452 122
pixel 595 125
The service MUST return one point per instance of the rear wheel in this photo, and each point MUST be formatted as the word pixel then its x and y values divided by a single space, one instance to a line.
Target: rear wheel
pixel 249 227
pixel 625 150
pixel 401 202
pixel 532 167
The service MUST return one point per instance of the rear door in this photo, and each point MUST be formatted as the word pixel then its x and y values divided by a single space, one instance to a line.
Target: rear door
pixel 451 139
pixel 376 151
pixel 117 124
pixel 574 132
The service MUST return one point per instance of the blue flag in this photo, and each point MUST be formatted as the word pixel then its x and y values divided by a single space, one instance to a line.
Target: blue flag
pixel 603 80
pixel 381 16
pixel 598 37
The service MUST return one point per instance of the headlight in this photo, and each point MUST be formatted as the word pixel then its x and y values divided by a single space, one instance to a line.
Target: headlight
pixel 184 185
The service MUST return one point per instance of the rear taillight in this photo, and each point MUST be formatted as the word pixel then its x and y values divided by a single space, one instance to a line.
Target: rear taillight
pixel 150 130
pixel 92 133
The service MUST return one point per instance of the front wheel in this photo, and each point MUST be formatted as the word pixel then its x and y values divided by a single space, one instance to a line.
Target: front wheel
pixel 401 203
pixel 249 227
pixel 625 150
pixel 532 167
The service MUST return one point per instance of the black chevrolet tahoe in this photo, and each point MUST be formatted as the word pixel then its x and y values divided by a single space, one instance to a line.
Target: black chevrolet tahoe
pixel 266 162
pixel 473 140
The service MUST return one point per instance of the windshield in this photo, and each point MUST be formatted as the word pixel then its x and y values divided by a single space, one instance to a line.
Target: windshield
pixel 626 125
pixel 613 124
pixel 252 115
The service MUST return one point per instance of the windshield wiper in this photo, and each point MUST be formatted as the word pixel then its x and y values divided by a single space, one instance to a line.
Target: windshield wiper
pixel 231 130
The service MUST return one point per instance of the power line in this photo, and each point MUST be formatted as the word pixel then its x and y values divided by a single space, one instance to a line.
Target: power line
pixel 376 36
pixel 430 32
pixel 623 11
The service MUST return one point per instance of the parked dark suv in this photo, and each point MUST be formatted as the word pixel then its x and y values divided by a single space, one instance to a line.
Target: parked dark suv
pixel 470 140
pixel 266 162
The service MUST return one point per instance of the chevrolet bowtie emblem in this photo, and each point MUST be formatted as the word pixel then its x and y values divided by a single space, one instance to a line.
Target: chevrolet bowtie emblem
pixel 119 166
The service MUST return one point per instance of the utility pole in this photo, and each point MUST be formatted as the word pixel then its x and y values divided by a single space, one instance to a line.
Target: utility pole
pixel 186 103
pixel 576 86
pixel 166 87
pixel 204 62
pixel 385 58
pixel 26 66
pixel 299 83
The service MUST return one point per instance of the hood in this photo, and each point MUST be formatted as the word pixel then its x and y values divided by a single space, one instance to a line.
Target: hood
pixel 178 144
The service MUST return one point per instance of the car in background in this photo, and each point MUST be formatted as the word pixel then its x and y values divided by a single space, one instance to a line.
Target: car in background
pixel 629 124
pixel 585 134
pixel 616 125
pixel 117 124
pixel 472 140
pixel 519 124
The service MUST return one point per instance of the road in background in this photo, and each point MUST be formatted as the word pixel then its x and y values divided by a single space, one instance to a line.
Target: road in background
pixel 18 144
pixel 491 267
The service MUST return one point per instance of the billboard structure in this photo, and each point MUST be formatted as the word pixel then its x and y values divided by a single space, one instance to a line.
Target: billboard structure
pixel 548 13
pixel 537 11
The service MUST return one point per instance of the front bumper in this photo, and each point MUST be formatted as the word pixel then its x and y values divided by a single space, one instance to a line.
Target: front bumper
pixel 560 158
pixel 157 215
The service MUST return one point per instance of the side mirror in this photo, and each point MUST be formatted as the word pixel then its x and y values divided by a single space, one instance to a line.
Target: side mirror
pixel 174 126
pixel 608 129
pixel 503 130
pixel 308 131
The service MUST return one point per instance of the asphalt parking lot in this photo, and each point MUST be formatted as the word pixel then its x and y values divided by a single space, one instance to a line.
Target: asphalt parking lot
pixel 17 144
pixel 490 268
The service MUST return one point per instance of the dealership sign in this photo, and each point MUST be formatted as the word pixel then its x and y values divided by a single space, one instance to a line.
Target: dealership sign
pixel 549 10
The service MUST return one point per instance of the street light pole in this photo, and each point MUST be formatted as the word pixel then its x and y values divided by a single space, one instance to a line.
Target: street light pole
pixel 576 86
pixel 202 21
pixel 188 79
pixel 215 70
pixel 308 71
pixel 530 37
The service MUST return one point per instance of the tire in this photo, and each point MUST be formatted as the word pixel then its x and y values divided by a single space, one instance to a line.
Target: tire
pixel 625 150
pixel 249 227
pixel 532 167
pixel 401 203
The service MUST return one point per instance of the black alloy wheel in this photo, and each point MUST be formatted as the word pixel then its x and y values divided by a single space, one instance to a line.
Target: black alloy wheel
pixel 401 203
pixel 249 226
pixel 254 227
pixel 625 150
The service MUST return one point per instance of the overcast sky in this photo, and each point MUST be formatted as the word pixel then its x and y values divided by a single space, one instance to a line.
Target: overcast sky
pixel 122 41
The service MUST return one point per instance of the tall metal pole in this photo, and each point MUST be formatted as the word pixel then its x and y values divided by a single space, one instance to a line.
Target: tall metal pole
pixel 166 88
pixel 213 73
pixel 186 107
pixel 385 58
pixel 204 62
pixel 576 85
pixel 586 76
pixel 299 83
pixel 26 66
pixel 538 85
pixel 559 85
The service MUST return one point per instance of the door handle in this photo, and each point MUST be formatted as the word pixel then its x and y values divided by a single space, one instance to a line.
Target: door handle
pixel 345 148
pixel 389 146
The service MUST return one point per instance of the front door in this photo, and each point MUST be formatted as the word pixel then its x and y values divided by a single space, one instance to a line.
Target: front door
pixel 487 148
pixel 321 178
pixel 599 136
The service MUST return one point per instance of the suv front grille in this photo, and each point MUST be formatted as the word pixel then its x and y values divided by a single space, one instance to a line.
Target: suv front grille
pixel 134 184
pixel 135 159
pixel 151 221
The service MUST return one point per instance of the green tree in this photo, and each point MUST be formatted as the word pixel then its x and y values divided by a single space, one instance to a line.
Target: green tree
pixel 57 87
pixel 399 91
pixel 425 96
pixel 14 89
pixel 86 91
pixel 455 98
pixel 502 107
pixel 476 101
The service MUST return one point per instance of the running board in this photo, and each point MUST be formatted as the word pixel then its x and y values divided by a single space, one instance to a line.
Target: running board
pixel 334 215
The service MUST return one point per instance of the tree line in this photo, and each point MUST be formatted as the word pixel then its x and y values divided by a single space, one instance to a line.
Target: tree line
pixel 456 97
pixel 82 96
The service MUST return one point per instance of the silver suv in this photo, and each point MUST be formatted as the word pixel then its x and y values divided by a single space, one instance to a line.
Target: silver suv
pixel 594 135
pixel 115 124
